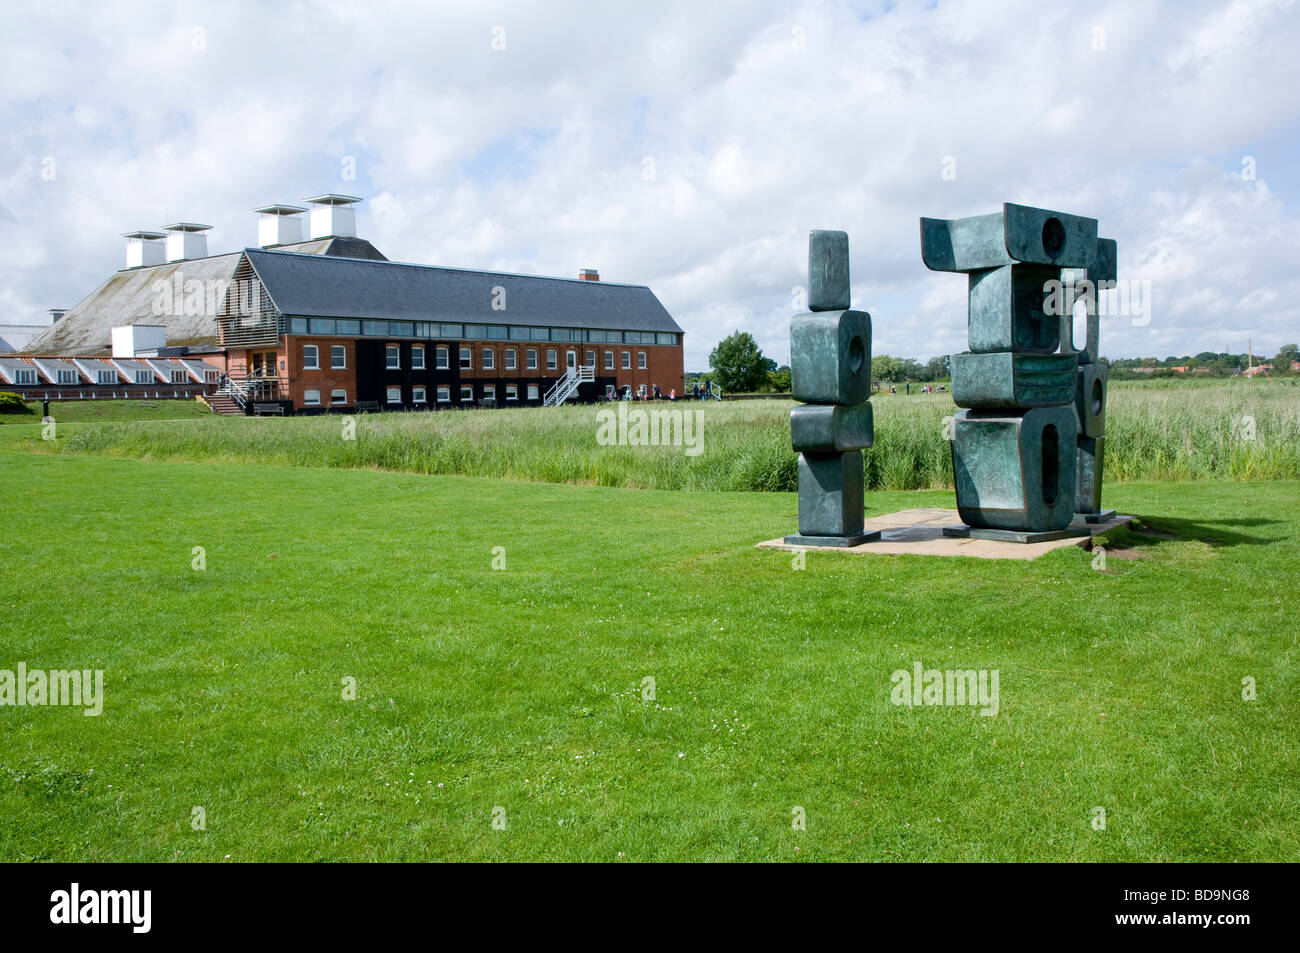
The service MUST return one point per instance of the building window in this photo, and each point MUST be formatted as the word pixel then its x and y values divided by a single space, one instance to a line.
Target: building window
pixel 552 359
pixel 310 357
pixel 442 358
pixel 393 357
pixel 489 359
pixel 489 391
pixel 444 395
pixel 338 397
pixel 417 357
pixel 532 391
pixel 70 377
pixel 609 360
pixel 418 395
pixel 338 356
pixel 311 398
pixel 24 376
pixel 530 359
pixel 178 377
pixel 466 359
pixel 101 377
pixel 627 360
pixel 144 377
pixel 510 359
pixel 394 395
pixel 466 392
pixel 512 392
pixel 640 359
pixel 591 358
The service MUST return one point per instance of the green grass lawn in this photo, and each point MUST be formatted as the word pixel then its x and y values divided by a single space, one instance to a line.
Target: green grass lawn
pixel 80 411
pixel 521 688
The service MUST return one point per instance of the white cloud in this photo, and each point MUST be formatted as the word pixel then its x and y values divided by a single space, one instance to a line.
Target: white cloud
pixel 759 121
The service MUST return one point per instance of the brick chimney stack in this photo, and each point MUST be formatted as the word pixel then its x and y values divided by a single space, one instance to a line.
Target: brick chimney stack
pixel 589 274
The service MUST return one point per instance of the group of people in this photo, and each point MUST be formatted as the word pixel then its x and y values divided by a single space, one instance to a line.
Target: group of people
pixel 927 389
pixel 625 392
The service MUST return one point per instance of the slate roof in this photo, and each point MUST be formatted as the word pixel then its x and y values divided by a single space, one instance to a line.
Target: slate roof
pixel 346 278
pixel 327 287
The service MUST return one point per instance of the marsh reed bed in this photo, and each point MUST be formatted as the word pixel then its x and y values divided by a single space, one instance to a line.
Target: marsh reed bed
pixel 1228 430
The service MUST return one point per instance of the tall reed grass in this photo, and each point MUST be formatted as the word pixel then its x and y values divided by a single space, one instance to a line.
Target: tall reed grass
pixel 1234 430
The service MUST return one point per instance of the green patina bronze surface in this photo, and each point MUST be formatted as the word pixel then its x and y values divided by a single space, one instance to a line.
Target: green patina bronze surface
pixel 831 494
pixel 1090 383
pixel 1015 470
pixel 830 357
pixel 1006 380
pixel 1008 310
pixel 830 371
pixel 1088 479
pixel 1027 451
pixel 1017 234
pixel 823 428
pixel 828 270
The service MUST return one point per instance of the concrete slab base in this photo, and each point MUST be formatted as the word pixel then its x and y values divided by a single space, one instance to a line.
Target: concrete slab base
pixel 838 542
pixel 962 531
pixel 920 532
pixel 1094 517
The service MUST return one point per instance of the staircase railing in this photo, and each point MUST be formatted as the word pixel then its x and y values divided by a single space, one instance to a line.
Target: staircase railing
pixel 236 389
pixel 566 386
pixel 255 387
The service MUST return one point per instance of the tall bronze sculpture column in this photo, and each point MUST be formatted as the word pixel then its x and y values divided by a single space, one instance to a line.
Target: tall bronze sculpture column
pixel 1027 445
pixel 830 371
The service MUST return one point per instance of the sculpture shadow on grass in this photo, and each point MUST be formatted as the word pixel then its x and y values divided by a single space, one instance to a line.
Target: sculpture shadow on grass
pixel 1154 531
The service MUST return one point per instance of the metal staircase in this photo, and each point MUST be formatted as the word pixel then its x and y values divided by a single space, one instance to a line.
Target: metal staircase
pixel 567 385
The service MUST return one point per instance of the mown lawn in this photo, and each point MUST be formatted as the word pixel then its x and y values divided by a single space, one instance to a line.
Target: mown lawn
pixel 522 688
pixel 81 411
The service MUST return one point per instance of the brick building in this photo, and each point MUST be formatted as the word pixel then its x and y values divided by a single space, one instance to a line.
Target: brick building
pixel 330 323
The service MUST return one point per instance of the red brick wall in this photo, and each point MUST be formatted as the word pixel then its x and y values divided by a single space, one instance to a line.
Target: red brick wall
pixel 327 378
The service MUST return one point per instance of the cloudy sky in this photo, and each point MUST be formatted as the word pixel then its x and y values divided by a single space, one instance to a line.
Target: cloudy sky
pixel 688 146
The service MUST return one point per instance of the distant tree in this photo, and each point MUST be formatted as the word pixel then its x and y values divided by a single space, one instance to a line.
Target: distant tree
pixel 1286 355
pixel 885 368
pixel 910 370
pixel 778 381
pixel 738 364
pixel 936 368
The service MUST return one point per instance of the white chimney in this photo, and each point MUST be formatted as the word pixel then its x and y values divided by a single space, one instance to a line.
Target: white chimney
pixel 279 225
pixel 130 339
pixel 333 216
pixel 143 248
pixel 186 240
pixel 56 314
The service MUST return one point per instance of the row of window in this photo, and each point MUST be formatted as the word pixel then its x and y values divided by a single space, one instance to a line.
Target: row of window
pixel 488 360
pixel 393 359
pixel 349 327
pixel 420 395
pixel 62 376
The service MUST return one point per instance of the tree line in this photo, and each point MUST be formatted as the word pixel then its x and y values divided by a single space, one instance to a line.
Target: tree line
pixel 738 366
